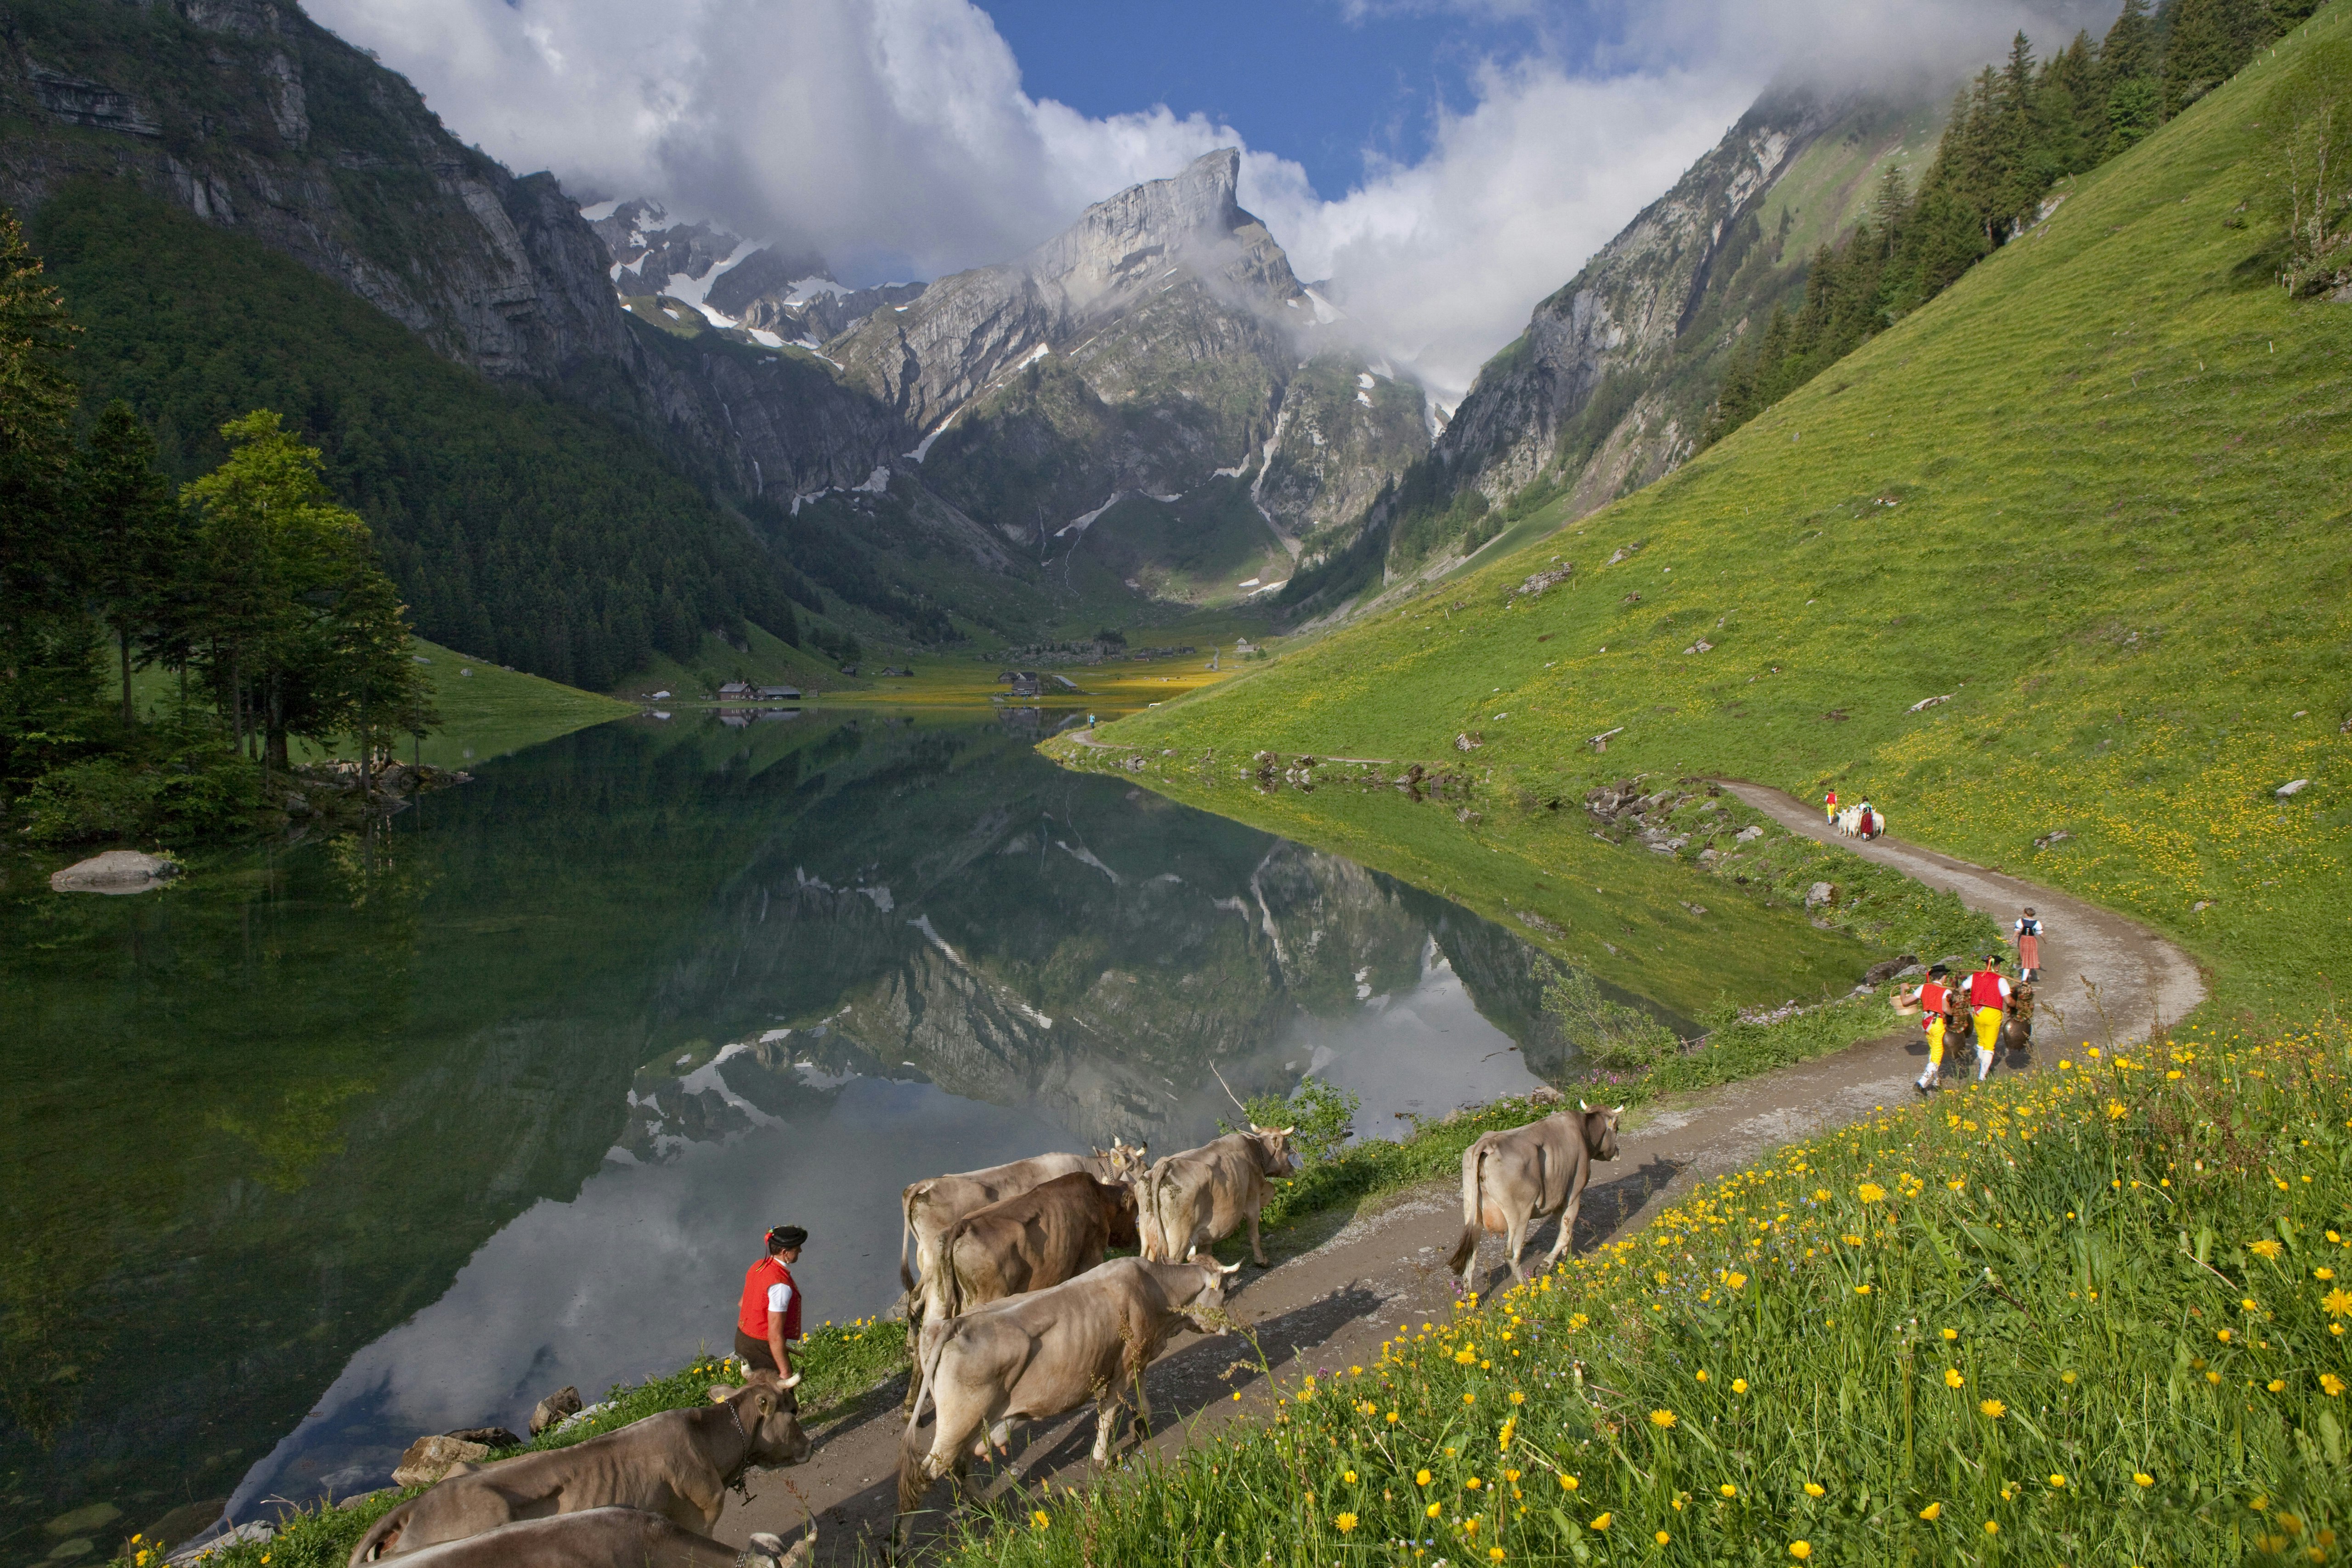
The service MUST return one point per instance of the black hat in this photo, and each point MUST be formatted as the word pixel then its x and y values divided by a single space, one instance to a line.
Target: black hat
pixel 1939 968
pixel 784 1237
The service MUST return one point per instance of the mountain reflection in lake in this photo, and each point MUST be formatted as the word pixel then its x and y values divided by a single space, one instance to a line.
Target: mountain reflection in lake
pixel 351 1142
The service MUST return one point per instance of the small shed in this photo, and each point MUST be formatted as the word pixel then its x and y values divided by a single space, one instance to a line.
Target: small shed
pixel 780 694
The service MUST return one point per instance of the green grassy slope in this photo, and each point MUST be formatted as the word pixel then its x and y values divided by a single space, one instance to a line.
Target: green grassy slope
pixel 2119 466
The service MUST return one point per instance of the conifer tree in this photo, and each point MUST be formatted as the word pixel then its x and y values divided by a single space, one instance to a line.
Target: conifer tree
pixel 126 523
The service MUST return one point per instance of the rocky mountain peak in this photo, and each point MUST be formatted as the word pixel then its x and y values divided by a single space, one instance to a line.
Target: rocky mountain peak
pixel 1191 222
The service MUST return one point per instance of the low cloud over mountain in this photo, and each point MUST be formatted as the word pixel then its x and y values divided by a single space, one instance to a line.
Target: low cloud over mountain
pixel 894 138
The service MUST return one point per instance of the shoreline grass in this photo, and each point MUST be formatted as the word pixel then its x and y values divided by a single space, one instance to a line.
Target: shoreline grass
pixel 2094 1315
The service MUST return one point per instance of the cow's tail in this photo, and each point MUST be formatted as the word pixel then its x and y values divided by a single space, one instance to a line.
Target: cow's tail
pixel 1474 1172
pixel 1173 1232
pixel 907 1235
pixel 912 1480
pixel 1147 1214
pixel 950 1279
pixel 381 1536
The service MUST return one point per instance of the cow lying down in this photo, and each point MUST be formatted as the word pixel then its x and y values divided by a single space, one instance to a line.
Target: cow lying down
pixel 677 1464
pixel 1028 1358
pixel 605 1538
pixel 1511 1180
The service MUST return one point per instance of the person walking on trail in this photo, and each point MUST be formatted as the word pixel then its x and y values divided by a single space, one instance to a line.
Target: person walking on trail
pixel 1934 1000
pixel 2027 935
pixel 1988 1000
pixel 769 1317
pixel 1830 803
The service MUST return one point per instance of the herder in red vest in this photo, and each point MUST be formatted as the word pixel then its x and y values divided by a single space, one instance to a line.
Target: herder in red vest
pixel 1987 995
pixel 1934 1000
pixel 769 1317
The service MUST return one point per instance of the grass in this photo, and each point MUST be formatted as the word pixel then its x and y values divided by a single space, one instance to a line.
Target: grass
pixel 839 1363
pixel 489 713
pixel 2089 1316
pixel 2096 494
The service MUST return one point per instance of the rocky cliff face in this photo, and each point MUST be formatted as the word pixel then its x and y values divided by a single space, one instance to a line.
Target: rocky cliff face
pixel 1607 387
pixel 1159 340
pixel 257 120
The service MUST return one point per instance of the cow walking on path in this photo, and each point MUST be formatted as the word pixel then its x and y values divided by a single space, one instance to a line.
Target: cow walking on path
pixel 1031 1241
pixel 931 1206
pixel 677 1464
pixel 1197 1198
pixel 1032 1357
pixel 1511 1180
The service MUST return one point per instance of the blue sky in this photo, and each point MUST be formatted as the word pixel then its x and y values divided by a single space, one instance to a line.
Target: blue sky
pixel 1300 79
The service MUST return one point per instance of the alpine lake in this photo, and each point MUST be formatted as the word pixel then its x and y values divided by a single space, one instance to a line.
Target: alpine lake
pixel 333 1143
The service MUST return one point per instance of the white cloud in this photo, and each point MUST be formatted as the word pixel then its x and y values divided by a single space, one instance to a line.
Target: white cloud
pixel 895 137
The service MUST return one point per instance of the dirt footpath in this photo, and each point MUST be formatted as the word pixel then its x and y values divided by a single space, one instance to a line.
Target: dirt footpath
pixel 1340 1284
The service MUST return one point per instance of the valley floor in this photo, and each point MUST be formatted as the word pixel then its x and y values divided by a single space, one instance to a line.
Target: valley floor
pixel 1340 1280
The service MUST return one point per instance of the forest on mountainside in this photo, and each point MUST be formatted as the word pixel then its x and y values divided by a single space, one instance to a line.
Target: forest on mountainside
pixel 251 582
pixel 2012 136
pixel 525 530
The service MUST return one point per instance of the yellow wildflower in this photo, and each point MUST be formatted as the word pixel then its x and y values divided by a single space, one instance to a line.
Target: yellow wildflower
pixel 1952 1378
pixel 1813 1489
pixel 1992 1407
pixel 1663 1419
pixel 2331 1384
pixel 1602 1523
pixel 1801 1549
pixel 1933 1511
pixel 1346 1523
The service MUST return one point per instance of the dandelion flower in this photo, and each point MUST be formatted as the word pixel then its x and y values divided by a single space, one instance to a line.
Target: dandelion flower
pixel 1663 1419
pixel 1993 1526
pixel 1041 1519
pixel 1346 1523
pixel 1992 1407
pixel 1933 1511
pixel 2337 1302
pixel 1737 1281
pixel 1870 1192
pixel 1517 1397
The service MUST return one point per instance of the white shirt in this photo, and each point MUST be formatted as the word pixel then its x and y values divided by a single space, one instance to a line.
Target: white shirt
pixel 2028 927
pixel 779 1296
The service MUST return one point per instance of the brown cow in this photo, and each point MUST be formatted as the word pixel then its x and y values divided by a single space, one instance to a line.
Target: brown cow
pixel 1030 1241
pixel 677 1464
pixel 931 1206
pixel 1203 1195
pixel 606 1538
pixel 1032 1357
pixel 1511 1180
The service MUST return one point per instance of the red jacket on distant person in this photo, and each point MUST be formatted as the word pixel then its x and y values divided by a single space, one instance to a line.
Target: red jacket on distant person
pixel 751 1317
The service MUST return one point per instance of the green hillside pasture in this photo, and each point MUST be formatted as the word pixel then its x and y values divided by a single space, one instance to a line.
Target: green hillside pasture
pixel 2091 1316
pixel 2095 495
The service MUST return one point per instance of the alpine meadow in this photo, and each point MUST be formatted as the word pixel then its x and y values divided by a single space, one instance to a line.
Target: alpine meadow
pixel 1546 784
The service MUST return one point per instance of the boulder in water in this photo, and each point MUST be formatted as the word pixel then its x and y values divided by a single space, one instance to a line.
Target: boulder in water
pixel 115 871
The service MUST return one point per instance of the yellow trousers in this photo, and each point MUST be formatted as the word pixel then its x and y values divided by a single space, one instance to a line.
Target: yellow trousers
pixel 1936 1042
pixel 1988 1028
